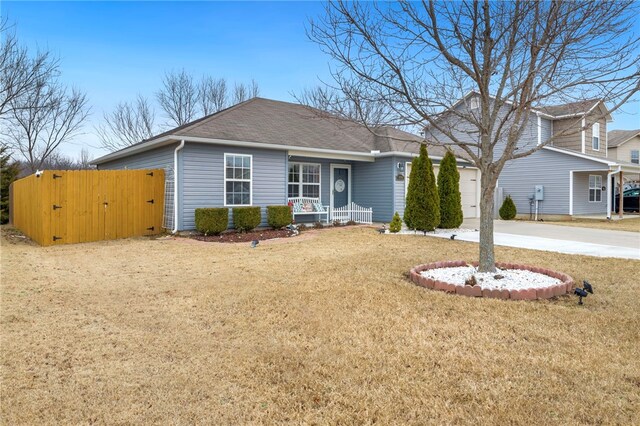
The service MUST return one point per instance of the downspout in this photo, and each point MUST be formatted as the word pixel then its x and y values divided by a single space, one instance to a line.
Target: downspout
pixel 175 186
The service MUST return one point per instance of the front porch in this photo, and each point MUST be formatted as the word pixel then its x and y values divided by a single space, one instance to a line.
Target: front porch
pixel 328 190
pixel 594 194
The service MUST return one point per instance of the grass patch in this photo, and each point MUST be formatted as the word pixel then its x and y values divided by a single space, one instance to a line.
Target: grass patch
pixel 322 328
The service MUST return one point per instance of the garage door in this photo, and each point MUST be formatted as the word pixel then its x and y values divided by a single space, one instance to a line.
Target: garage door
pixel 468 189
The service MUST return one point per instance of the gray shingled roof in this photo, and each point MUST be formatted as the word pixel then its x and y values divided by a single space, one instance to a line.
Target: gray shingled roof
pixel 579 107
pixel 617 137
pixel 283 123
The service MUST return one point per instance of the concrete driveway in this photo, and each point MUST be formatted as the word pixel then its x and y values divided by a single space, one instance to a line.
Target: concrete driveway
pixel 557 238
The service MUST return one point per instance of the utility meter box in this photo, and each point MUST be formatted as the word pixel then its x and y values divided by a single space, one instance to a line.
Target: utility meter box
pixel 539 193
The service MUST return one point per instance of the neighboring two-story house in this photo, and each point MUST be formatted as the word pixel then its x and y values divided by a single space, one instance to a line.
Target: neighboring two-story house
pixel 624 145
pixel 572 175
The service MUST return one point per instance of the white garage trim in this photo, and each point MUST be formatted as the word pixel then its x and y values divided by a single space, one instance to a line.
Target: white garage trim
pixel 407 167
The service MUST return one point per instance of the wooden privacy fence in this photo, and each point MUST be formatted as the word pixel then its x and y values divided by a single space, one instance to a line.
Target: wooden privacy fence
pixel 64 207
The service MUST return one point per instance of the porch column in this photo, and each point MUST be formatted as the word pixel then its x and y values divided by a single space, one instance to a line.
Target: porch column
pixel 621 197
pixel 609 192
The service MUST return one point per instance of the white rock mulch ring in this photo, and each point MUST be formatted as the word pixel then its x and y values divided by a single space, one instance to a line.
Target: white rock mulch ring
pixel 510 281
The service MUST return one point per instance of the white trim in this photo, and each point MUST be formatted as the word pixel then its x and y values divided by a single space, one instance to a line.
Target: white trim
pixel 351 155
pixel 176 187
pixel 406 181
pixel 224 174
pixel 301 163
pixel 405 154
pixel 332 167
pixel 584 134
pixel 593 126
pixel 577 154
pixel 606 142
pixel 479 190
pixel 333 156
pixel 539 129
pixel 570 192
pixel 597 188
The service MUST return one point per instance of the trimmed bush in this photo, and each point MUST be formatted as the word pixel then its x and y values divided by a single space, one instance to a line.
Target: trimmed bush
pixel 396 223
pixel 449 190
pixel 246 218
pixel 423 203
pixel 508 209
pixel 279 216
pixel 212 221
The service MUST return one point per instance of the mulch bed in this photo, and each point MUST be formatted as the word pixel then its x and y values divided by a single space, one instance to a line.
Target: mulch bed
pixel 238 237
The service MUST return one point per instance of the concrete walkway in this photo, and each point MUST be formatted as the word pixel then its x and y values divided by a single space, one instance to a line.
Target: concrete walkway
pixel 557 238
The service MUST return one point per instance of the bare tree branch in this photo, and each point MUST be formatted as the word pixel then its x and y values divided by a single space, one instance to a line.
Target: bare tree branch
pixel 420 60
pixel 19 72
pixel 212 94
pixel 127 124
pixel 178 97
pixel 43 118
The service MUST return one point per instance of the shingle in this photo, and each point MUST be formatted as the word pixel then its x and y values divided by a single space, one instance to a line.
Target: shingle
pixel 282 123
pixel 578 107
pixel 616 137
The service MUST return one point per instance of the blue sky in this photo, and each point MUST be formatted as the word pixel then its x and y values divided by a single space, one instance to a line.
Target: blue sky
pixel 114 50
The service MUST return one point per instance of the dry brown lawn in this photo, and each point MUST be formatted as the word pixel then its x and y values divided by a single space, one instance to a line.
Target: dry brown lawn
pixel 631 224
pixel 317 330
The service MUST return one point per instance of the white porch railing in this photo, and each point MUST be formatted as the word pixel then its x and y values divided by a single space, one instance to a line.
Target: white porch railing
pixel 352 212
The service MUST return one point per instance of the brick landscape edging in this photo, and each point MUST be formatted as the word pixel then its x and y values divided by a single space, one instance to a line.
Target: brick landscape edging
pixel 475 291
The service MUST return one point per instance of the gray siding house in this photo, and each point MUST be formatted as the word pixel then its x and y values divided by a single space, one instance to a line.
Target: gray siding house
pixel 264 152
pixel 572 166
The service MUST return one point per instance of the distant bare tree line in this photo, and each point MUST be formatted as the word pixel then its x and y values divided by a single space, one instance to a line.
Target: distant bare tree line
pixel 182 99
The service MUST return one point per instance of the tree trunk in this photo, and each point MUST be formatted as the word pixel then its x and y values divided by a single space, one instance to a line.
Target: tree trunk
pixel 487 257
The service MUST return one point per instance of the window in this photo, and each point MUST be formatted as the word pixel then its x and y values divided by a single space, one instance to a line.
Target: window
pixel 595 137
pixel 304 180
pixel 595 188
pixel 237 180
pixel 635 157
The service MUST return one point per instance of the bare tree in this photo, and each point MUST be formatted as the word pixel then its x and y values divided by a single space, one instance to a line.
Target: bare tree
pixel 127 124
pixel 178 97
pixel 420 58
pixel 19 72
pixel 242 92
pixel 212 94
pixel 43 118
pixel 84 159
pixel 348 106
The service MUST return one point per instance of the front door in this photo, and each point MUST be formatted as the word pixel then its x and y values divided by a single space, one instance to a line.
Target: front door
pixel 340 186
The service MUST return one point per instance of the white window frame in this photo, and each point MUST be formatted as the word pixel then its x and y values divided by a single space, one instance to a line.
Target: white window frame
pixel 250 180
pixel 300 183
pixel 637 156
pixel 595 130
pixel 597 188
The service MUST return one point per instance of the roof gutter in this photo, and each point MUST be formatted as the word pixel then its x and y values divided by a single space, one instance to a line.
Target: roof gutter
pixel 175 186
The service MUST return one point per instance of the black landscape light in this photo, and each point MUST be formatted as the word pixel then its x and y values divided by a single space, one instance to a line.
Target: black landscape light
pixel 452 237
pixel 254 243
pixel 583 292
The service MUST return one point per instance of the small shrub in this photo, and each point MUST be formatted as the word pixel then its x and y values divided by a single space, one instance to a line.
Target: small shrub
pixel 337 223
pixel 279 216
pixel 212 221
pixel 318 225
pixel 508 209
pixel 396 223
pixel 246 218
pixel 351 223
